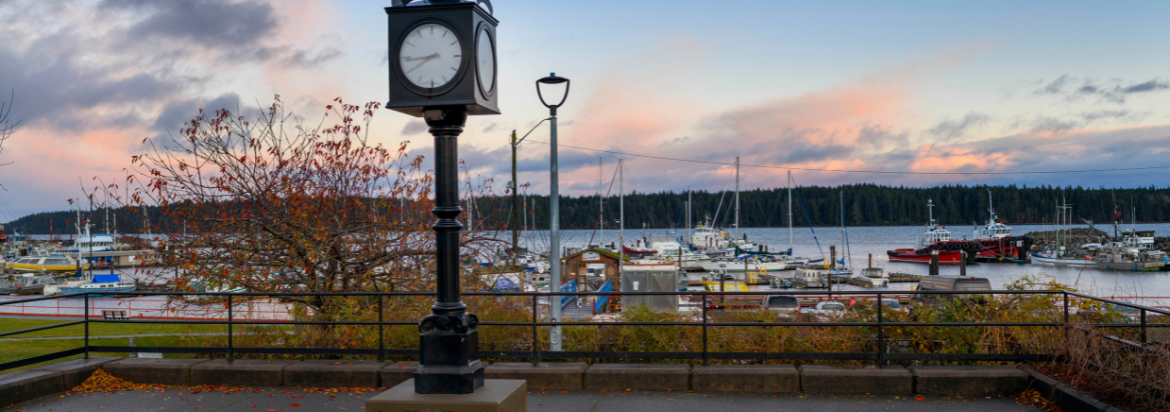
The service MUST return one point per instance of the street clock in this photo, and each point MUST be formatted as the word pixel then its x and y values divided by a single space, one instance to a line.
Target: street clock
pixel 442 54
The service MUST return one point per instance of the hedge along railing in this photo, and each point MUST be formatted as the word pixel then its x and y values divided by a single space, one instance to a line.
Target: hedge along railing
pixel 879 355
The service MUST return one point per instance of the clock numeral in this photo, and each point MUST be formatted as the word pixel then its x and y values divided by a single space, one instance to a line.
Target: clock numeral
pixel 458 55
pixel 454 69
pixel 453 43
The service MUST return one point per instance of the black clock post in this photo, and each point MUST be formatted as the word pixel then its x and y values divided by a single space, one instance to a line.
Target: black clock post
pixel 443 68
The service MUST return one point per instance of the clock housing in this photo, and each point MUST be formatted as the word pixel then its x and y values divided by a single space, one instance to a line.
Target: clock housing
pixel 465 20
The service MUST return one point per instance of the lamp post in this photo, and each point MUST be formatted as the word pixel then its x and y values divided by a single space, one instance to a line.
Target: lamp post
pixel 554 255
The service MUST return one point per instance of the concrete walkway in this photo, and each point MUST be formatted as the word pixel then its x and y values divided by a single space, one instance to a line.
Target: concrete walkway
pixel 274 399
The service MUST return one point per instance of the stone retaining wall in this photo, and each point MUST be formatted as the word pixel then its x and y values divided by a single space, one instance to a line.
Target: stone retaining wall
pixel 816 379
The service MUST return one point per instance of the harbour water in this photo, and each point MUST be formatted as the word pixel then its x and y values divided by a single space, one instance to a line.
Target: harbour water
pixel 877 240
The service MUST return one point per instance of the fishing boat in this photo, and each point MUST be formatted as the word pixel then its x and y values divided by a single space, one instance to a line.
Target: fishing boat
pixel 52 263
pixel 101 284
pixel 936 239
pixel 1133 254
pixel 1061 255
pixel 996 240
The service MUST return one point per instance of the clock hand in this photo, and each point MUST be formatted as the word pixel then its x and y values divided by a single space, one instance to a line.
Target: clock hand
pixel 424 61
pixel 410 59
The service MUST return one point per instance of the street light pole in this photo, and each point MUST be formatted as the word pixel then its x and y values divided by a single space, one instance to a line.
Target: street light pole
pixel 554 255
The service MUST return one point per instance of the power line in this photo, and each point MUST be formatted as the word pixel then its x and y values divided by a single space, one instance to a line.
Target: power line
pixel 891 172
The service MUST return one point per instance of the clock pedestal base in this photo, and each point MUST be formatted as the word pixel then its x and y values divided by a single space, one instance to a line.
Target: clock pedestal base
pixel 496 395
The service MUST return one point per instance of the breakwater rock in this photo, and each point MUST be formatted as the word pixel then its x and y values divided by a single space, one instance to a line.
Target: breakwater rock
pixel 1080 236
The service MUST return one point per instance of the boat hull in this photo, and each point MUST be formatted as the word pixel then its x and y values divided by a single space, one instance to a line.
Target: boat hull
pixel 1131 266
pixel 1040 259
pixel 1006 249
pixel 945 257
pixel 118 289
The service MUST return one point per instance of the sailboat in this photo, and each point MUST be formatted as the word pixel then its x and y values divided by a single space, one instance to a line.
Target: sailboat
pixel 839 272
pixel 1059 255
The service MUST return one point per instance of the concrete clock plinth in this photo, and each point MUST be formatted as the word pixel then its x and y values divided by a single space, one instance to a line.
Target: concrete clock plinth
pixel 496 395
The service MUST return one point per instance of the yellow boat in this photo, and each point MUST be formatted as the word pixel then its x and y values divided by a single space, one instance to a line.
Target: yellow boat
pixel 54 263
pixel 711 284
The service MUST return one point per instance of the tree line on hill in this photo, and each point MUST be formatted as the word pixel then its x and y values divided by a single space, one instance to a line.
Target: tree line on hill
pixel 865 205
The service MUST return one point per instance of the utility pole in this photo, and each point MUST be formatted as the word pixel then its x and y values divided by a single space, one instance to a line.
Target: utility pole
pixel 515 206
pixel 737 198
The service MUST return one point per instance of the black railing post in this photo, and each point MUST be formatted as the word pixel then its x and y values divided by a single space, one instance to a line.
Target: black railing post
pixel 1143 326
pixel 381 335
pixel 704 305
pixel 87 326
pixel 881 332
pixel 231 350
pixel 1065 293
pixel 1066 307
pixel 535 360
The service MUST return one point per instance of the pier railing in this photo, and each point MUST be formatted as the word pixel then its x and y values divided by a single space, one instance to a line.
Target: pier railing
pixel 1063 316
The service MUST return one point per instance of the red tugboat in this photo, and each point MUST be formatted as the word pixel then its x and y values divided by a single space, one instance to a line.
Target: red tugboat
pixel 996 240
pixel 938 239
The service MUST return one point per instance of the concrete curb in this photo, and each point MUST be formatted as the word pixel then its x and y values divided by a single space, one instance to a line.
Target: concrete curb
pixel 638 376
pixel 24 385
pixel 334 373
pixel 1064 396
pixel 164 371
pixel 828 379
pixel 396 373
pixel 21 386
pixel 968 380
pixel 556 375
pixel 745 378
pixel 77 371
pixel 240 372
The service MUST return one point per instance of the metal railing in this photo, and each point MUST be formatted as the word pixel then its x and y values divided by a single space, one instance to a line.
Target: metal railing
pixel 534 354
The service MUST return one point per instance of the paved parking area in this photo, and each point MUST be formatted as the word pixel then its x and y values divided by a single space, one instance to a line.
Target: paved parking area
pixel 293 400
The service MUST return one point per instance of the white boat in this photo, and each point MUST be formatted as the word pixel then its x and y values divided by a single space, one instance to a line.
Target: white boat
pixel 1052 257
pixel 54 263
pixel 870 278
pixel 1134 254
pixel 101 284
pixel 738 266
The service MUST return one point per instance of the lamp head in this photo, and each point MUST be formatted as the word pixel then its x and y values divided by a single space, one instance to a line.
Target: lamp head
pixel 552 79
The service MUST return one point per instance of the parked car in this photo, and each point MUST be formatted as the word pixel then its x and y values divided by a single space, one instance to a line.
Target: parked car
pixel 781 305
pixel 828 310
pixel 893 304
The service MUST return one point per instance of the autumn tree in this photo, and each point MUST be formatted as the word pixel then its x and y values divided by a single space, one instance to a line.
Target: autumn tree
pixel 278 205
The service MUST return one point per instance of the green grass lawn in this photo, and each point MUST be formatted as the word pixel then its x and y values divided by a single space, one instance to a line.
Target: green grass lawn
pixel 13 351
pixel 97 329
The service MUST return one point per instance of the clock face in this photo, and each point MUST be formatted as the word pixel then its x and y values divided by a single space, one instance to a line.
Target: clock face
pixel 430 56
pixel 485 61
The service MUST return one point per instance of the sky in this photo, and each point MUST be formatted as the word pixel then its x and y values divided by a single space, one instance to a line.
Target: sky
pixel 910 86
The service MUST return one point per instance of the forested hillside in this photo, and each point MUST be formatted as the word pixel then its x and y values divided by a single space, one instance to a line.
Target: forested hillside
pixel 865 205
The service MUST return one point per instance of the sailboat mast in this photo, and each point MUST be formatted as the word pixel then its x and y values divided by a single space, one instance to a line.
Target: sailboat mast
pixel 690 233
pixel 600 202
pixel 737 197
pixel 621 217
pixel 841 197
pixel 789 212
